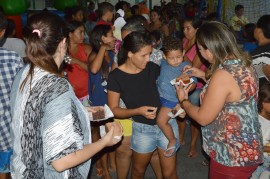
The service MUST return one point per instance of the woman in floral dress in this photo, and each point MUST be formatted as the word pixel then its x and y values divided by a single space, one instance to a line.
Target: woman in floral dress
pixel 228 112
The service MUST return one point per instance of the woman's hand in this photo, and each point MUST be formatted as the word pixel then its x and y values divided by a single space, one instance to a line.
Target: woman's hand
pixel 108 46
pixel 193 71
pixel 148 112
pixel 90 109
pixel 182 92
pixel 114 135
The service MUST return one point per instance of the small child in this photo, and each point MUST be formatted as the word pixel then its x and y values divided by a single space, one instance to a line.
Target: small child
pixel 105 13
pixel 264 118
pixel 251 44
pixel 171 68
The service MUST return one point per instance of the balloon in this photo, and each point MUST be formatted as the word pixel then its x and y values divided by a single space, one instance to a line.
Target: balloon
pixel 18 21
pixel 63 4
pixel 28 3
pixel 14 7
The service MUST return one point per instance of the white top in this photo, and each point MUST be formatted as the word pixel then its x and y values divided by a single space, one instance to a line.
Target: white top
pixel 265 126
pixel 15 44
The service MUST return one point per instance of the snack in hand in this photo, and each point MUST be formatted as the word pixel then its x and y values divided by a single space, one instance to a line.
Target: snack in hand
pixel 185 78
pixel 99 114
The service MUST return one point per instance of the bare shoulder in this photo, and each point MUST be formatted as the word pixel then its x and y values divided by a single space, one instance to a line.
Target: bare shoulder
pixel 224 82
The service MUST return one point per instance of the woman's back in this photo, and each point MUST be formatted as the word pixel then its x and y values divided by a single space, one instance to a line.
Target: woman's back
pixel 48 123
pixel 237 140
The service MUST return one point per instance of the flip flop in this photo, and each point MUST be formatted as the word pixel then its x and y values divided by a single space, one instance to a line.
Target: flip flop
pixel 205 162
pixel 175 147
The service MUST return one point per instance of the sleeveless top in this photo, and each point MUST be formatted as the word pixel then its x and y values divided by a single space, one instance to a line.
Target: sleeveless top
pixel 234 138
pixel 77 76
pixel 97 87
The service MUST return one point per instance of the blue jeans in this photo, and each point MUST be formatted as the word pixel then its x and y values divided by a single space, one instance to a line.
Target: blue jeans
pixel 194 97
pixel 146 138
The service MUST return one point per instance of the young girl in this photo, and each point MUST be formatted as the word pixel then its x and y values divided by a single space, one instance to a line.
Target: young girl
pixel 100 64
pixel 77 69
pixel 170 69
pixel 264 118
pixel 134 81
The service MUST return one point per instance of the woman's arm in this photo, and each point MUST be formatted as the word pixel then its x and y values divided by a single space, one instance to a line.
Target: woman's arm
pixel 95 60
pixel 82 64
pixel 165 30
pixel 222 88
pixel 113 102
pixel 88 150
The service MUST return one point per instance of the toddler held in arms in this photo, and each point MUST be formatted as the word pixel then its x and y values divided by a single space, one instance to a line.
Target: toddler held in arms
pixel 171 68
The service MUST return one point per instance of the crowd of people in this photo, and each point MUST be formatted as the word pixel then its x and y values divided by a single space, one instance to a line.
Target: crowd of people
pixel 157 70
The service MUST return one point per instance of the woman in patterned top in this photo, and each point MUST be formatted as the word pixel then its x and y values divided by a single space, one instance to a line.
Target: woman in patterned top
pixel 50 128
pixel 228 112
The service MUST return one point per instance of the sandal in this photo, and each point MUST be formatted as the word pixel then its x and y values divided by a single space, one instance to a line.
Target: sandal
pixel 175 147
pixel 205 162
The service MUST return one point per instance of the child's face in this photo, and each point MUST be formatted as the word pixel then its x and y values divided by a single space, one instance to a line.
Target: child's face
pixel 174 57
pixel 109 39
pixel 240 12
pixel 78 16
pixel 109 15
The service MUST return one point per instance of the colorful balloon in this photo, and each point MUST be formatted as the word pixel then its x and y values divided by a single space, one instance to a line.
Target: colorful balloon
pixel 14 7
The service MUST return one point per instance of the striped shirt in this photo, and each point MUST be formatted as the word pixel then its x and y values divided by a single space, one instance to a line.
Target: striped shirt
pixel 260 57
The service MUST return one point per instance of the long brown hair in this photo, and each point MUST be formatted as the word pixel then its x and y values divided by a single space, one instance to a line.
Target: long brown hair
pixel 42 34
pixel 220 41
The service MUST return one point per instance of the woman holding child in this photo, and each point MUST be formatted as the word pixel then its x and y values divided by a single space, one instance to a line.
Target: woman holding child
pixel 134 81
pixel 231 133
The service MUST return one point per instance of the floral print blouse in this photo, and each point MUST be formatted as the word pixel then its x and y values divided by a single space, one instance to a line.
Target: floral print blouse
pixel 234 138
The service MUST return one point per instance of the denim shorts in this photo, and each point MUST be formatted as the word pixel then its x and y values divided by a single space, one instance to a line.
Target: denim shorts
pixel 5 161
pixel 146 138
pixel 168 104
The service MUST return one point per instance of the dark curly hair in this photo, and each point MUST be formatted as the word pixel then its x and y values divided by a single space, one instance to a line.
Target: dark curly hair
pixel 264 95
pixel 171 43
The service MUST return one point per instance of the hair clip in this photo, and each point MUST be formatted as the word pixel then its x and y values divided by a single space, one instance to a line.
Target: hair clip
pixel 37 31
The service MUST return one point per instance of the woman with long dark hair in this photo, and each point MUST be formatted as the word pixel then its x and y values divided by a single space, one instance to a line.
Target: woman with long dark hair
pixel 50 127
